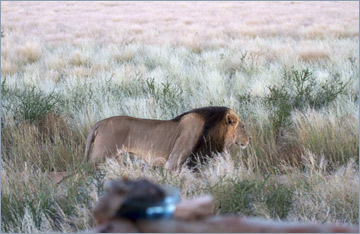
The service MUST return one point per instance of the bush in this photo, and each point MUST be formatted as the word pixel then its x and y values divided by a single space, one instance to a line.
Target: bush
pixel 29 103
pixel 241 197
pixel 277 138
pixel 167 94
pixel 299 90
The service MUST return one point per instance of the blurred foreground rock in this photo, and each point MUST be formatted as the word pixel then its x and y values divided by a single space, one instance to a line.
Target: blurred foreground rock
pixel 189 216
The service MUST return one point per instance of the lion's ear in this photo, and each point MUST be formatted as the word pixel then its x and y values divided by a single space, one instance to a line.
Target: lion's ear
pixel 231 119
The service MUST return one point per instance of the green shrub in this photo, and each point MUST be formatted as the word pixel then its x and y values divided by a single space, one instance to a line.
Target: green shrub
pixel 245 98
pixel 79 96
pixel 29 103
pixel 299 90
pixel 168 95
pixel 241 196
pixel 280 106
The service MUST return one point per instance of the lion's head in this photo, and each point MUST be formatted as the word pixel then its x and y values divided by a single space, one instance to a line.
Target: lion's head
pixel 236 132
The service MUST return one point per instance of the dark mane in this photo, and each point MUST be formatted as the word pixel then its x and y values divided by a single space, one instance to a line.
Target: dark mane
pixel 212 139
pixel 210 113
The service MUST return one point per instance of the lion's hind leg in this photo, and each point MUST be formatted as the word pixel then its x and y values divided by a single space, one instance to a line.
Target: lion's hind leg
pixel 101 151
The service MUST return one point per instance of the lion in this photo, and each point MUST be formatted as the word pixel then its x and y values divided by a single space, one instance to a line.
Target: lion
pixel 168 143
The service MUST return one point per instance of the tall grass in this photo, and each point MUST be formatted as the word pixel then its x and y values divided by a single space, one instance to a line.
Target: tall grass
pixel 297 91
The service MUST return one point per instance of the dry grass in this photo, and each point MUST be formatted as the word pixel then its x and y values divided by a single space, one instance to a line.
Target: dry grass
pixel 30 52
pixel 316 129
pixel 311 54
pixel 336 188
pixel 8 68
pixel 165 23
pixel 160 59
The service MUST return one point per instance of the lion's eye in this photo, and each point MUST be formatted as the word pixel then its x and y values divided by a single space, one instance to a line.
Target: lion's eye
pixel 243 127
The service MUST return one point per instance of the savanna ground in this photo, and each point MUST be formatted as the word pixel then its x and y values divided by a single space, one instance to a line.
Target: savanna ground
pixel 289 69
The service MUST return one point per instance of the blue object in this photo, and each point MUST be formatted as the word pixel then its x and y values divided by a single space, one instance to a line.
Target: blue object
pixel 164 209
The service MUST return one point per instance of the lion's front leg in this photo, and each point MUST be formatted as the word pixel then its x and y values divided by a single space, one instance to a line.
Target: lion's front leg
pixel 175 161
pixel 191 129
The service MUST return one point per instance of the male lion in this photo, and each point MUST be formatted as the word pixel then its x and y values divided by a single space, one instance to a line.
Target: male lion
pixel 170 142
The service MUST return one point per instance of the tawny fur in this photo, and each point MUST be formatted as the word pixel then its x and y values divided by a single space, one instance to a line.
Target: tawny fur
pixel 167 142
